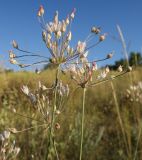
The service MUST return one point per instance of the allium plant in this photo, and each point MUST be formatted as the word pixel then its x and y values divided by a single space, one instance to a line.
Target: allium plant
pixel 8 148
pixel 57 36
pixel 49 102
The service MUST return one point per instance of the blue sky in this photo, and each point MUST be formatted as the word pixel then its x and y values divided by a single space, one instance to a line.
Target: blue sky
pixel 18 21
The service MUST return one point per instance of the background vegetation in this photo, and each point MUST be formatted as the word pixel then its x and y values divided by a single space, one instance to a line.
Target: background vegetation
pixel 103 137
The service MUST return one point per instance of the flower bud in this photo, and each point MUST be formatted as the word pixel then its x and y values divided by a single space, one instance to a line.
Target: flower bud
pixel 81 47
pixel 73 13
pixel 49 28
pixel 67 21
pixel 63 26
pixel 52 60
pixel 44 36
pixel 69 36
pixel 48 44
pixel 95 30
pixel 48 36
pixel 102 37
pixel 68 48
pixel 58 35
pixel 40 11
pixel 11 54
pixel 14 44
pixel 56 17
pixel 110 55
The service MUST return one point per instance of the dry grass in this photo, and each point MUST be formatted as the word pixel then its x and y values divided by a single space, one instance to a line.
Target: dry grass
pixel 103 138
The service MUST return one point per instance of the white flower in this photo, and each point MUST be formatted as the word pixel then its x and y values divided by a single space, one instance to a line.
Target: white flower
pixel 59 34
pixel 102 75
pixel 72 68
pixel 73 13
pixel 94 66
pixel 40 11
pixel 25 90
pixel 56 17
pixel 120 69
pixel 140 85
pixel 11 55
pixel 49 28
pixel 69 36
pixel 81 47
pixel 81 69
pixel 67 21
pixel 107 70
pixel 2 137
pixel 6 134
pixel 16 150
pixel 134 88
pixel 42 86
pixel 49 36
pixel 63 26
pixel 13 61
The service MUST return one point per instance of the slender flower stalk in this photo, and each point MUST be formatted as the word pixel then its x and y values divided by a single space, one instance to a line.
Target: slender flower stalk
pixel 51 133
pixel 14 130
pixel 82 123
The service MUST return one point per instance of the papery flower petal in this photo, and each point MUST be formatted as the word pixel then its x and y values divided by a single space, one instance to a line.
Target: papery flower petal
pixel 25 90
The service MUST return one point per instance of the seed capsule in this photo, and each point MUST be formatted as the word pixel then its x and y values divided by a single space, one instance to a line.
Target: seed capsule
pixel 15 44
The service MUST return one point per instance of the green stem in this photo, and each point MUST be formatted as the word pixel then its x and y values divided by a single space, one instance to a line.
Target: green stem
pixel 51 133
pixel 82 123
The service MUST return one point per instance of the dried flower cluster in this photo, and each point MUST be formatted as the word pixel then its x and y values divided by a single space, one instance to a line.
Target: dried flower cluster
pixel 8 149
pixel 134 93
pixel 57 36
pixel 42 99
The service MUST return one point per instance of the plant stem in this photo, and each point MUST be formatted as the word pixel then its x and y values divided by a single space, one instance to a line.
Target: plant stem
pixel 51 133
pixel 82 122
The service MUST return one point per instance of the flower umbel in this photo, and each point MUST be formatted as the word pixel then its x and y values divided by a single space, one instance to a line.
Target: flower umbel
pixel 8 148
pixel 57 36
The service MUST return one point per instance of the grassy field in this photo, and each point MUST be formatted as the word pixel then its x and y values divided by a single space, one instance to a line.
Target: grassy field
pixel 113 119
